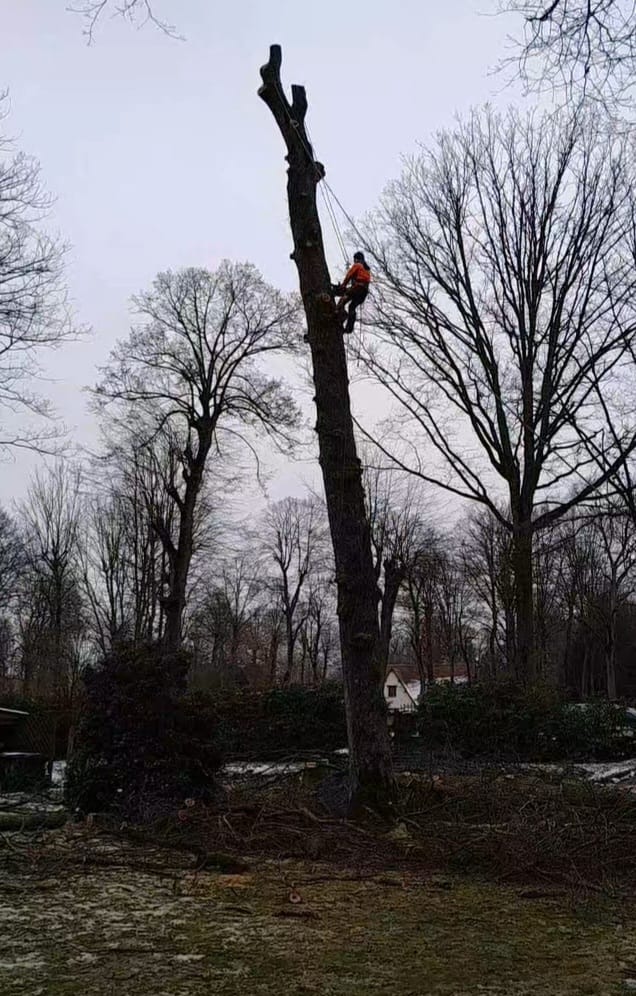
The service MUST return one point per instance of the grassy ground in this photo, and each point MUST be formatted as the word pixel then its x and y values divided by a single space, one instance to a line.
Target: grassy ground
pixel 291 927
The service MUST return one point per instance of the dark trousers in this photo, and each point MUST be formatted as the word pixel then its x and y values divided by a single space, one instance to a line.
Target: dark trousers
pixel 354 297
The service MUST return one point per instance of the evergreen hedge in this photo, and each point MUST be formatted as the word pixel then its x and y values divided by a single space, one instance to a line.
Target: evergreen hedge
pixel 505 718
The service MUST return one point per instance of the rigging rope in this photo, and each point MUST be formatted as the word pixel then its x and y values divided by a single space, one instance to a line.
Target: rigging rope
pixel 334 223
pixel 329 196
pixel 327 191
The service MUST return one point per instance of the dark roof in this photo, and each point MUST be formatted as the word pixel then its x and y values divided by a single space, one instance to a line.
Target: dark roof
pixel 405 672
pixel 443 669
pixel 409 673
pixel 11 717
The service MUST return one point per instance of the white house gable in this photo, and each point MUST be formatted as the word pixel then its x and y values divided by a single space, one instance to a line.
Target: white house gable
pixel 400 695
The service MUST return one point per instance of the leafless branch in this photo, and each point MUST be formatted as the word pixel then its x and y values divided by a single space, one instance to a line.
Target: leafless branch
pixel 140 12
pixel 586 47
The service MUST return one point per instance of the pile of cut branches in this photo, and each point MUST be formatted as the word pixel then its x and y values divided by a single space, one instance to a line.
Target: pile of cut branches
pixel 515 829
pixel 511 828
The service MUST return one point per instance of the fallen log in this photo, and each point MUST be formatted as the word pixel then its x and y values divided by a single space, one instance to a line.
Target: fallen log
pixel 33 820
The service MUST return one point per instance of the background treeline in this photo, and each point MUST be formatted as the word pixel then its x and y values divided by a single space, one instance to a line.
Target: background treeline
pixel 81 568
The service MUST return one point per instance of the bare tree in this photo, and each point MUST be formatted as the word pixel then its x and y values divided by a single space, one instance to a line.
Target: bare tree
pixel 420 601
pixel 295 545
pixel 189 376
pixel 53 623
pixel 135 490
pixel 398 537
pixel 240 588
pixel 455 609
pixel 578 558
pixel 33 309
pixel 587 46
pixel 487 550
pixel 106 565
pixel 317 633
pixel 508 308
pixel 13 565
pixel 265 638
pixel 221 627
pixel 12 557
pixel 370 769
pixel 616 533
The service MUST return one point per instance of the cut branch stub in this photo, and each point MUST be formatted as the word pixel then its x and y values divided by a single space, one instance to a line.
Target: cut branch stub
pixel 290 118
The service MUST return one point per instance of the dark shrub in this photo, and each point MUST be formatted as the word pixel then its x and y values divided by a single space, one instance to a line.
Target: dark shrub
pixel 142 747
pixel 281 722
pixel 507 719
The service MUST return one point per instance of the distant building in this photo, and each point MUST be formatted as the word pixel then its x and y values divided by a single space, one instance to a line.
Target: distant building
pixel 27 747
pixel 12 721
pixel 402 685
pixel 402 688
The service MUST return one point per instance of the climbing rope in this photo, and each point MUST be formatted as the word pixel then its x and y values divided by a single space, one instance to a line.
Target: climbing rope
pixel 329 197
pixel 327 191
pixel 334 222
pixel 344 211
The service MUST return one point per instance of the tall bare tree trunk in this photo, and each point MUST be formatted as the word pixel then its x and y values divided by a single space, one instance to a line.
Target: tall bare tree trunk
pixel 369 747
pixel 290 640
pixel 180 555
pixel 525 657
pixel 610 642
pixel 180 559
pixel 393 578
pixel 428 642
pixel 494 626
pixel 565 677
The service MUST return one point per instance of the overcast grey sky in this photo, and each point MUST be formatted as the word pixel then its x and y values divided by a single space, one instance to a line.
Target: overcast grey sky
pixel 160 155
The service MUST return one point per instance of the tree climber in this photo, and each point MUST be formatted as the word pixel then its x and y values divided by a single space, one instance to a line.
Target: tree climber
pixel 354 289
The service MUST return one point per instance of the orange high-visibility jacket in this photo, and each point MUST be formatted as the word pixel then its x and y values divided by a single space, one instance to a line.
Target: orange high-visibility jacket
pixel 357 274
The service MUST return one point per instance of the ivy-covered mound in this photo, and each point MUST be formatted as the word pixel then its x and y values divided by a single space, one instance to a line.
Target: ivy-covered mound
pixel 142 748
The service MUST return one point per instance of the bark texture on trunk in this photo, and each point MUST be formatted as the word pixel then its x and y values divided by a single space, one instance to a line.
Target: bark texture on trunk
pixel 524 603
pixel 180 560
pixel 369 746
pixel 610 643
pixel 393 578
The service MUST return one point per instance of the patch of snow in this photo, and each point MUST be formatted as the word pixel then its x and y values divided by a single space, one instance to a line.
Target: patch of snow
pixel 609 771
pixel 20 753
pixel 20 802
pixel 598 772
pixel 263 768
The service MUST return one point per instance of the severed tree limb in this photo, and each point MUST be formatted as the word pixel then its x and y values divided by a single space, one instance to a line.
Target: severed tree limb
pixel 32 820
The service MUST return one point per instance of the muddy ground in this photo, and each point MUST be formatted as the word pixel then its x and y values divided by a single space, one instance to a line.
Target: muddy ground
pixel 86 914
